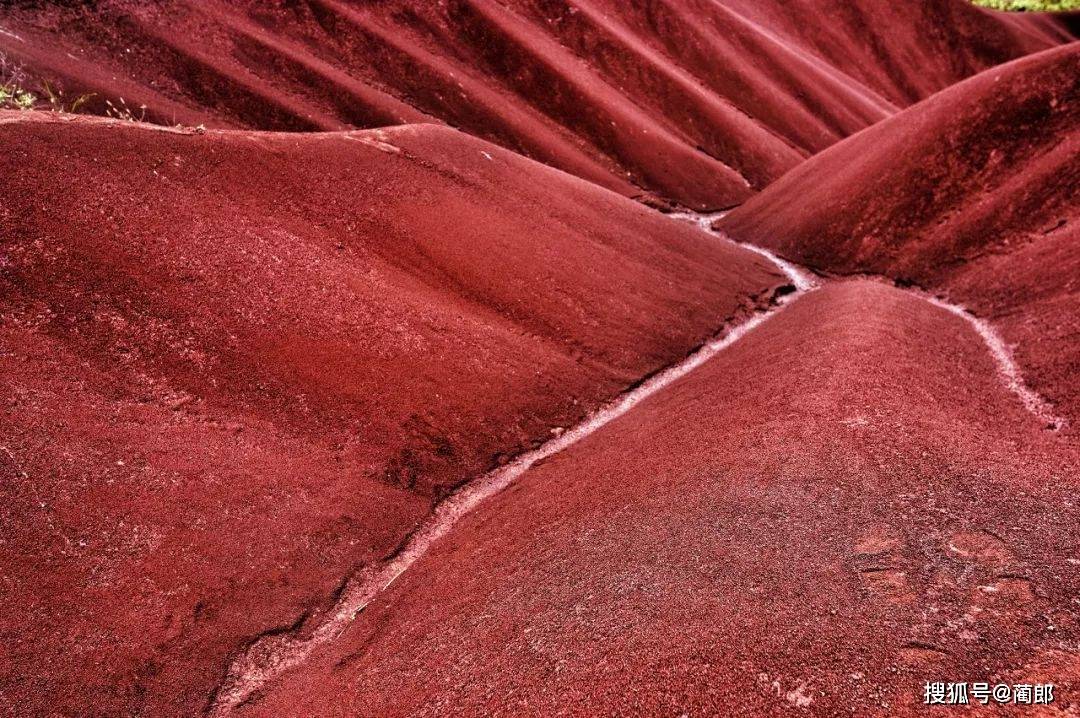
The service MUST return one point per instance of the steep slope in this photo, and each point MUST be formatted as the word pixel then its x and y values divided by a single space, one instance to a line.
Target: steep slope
pixel 843 505
pixel 974 193
pixel 237 366
pixel 697 101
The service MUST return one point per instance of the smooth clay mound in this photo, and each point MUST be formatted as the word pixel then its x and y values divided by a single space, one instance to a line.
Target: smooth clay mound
pixel 696 101
pixel 974 193
pixel 237 366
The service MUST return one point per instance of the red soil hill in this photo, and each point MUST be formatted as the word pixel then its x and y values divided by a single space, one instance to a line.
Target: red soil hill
pixel 843 505
pixel 697 101
pixel 974 193
pixel 235 366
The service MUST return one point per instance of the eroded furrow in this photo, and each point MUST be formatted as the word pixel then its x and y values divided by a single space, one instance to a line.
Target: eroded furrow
pixel 1008 371
pixel 271 655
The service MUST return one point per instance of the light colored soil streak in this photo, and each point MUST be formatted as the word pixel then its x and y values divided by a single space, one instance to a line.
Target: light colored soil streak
pixel 1009 372
pixel 802 279
pixel 271 655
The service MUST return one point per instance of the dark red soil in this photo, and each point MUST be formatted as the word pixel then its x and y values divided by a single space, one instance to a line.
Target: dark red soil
pixel 843 505
pixel 974 193
pixel 236 366
pixel 239 364
pixel 651 98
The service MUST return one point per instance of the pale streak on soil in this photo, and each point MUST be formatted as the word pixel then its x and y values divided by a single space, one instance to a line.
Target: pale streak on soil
pixel 1007 369
pixel 802 279
pixel 1009 372
pixel 270 656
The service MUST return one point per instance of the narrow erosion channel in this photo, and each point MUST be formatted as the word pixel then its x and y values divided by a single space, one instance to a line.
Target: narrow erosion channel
pixel 271 655
pixel 802 279
pixel 1008 371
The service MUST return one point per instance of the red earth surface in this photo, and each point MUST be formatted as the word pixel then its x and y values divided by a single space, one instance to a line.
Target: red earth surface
pixel 844 504
pixel 974 193
pixel 696 101
pixel 236 366
pixel 242 368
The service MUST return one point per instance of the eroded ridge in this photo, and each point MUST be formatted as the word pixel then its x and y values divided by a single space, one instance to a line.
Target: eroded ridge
pixel 271 655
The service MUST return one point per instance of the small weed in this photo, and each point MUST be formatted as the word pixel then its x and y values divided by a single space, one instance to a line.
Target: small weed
pixel 121 111
pixel 15 92
pixel 13 82
pixel 58 102
pixel 16 97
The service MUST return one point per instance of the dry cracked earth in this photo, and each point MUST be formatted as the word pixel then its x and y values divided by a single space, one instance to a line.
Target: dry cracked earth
pixel 538 357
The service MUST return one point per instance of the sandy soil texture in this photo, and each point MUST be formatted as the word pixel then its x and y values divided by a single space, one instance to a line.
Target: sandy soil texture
pixel 537 357
pixel 237 366
pixel 974 193
pixel 697 101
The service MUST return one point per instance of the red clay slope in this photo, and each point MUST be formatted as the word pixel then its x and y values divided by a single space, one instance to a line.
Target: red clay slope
pixel 696 101
pixel 843 505
pixel 975 193
pixel 236 366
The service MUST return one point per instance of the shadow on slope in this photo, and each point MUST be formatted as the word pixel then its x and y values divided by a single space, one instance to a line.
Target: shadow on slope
pixel 238 365
pixel 696 101
pixel 974 192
